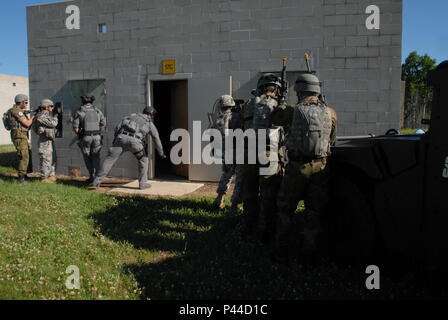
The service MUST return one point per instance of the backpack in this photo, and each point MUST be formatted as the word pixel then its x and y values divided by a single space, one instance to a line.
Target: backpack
pixel 134 123
pixel 310 131
pixel 7 120
pixel 91 120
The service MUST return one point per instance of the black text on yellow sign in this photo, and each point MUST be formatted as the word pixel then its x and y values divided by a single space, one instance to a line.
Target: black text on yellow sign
pixel 169 66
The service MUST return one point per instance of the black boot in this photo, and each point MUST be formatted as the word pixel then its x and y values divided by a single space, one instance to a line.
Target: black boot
pixel 23 180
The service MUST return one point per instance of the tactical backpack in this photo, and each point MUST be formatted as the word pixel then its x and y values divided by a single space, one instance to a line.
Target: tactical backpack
pixel 309 138
pixel 91 120
pixel 7 120
pixel 134 123
pixel 262 112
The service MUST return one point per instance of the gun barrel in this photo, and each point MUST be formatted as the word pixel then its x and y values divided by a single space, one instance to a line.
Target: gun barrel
pixel 307 59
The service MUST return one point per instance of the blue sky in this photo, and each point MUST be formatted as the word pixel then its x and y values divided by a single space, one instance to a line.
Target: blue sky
pixel 425 29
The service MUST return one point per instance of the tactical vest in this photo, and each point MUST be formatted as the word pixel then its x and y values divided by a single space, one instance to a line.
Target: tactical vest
pixel 262 112
pixel 91 119
pixel 309 137
pixel 136 124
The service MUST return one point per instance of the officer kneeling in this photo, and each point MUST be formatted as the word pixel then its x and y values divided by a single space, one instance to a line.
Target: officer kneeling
pixel 130 136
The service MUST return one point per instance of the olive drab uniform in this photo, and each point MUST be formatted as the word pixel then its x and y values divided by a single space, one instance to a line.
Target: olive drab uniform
pixel 230 119
pixel 89 121
pixel 312 132
pixel 46 129
pixel 19 137
pixel 130 136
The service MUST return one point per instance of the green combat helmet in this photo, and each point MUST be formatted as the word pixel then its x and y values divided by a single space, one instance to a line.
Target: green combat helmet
pixel 308 82
pixel 46 103
pixel 20 98
pixel 268 79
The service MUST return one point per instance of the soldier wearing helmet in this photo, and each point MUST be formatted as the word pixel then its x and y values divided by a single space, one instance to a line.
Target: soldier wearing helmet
pixel 228 118
pixel 45 127
pixel 19 122
pixel 88 124
pixel 263 112
pixel 131 135
pixel 313 131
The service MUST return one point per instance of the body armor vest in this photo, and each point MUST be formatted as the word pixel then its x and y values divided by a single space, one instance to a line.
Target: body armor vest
pixel 91 120
pixel 136 124
pixel 309 137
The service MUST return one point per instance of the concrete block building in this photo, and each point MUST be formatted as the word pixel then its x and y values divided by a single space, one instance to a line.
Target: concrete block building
pixel 10 86
pixel 212 47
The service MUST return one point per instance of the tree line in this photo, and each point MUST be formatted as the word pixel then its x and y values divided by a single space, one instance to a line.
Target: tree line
pixel 418 93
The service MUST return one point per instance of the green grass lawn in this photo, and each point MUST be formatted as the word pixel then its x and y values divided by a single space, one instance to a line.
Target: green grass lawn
pixel 139 248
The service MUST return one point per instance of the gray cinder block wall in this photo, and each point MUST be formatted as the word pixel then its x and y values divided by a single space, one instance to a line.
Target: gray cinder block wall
pixel 212 39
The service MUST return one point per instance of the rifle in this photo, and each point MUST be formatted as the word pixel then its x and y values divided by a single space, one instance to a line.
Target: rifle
pixel 322 97
pixel 284 88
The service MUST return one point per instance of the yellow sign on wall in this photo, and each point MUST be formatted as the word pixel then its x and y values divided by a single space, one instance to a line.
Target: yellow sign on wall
pixel 168 66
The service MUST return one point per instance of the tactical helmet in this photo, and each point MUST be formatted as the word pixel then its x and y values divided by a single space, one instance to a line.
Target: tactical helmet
pixel 46 103
pixel 307 82
pixel 149 110
pixel 268 79
pixel 88 99
pixel 227 101
pixel 20 98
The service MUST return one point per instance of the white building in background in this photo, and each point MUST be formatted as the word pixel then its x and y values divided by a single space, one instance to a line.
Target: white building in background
pixel 10 86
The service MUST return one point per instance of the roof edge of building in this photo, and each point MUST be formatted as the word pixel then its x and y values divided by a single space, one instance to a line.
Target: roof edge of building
pixel 48 3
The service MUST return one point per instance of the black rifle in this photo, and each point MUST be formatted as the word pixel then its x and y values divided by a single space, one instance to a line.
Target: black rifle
pixel 283 94
pixel 322 97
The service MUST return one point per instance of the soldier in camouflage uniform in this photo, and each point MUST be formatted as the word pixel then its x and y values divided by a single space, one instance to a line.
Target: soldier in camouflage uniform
pixel 130 135
pixel 312 132
pixel 46 124
pixel 88 122
pixel 229 118
pixel 20 123
pixel 260 192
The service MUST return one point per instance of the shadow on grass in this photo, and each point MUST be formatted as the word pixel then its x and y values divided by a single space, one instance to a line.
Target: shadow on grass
pixel 211 258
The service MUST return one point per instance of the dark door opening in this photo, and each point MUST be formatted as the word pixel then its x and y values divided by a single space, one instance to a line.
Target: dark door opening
pixel 170 98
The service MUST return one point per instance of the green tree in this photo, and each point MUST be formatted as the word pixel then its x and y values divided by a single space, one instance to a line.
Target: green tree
pixel 418 93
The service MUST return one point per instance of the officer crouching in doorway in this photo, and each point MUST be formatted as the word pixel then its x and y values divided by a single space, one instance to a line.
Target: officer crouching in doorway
pixel 130 135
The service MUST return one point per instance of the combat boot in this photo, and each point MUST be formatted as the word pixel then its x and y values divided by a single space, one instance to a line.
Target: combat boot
pixel 22 180
pixel 48 180
pixel 145 186
pixel 218 204
pixel 234 208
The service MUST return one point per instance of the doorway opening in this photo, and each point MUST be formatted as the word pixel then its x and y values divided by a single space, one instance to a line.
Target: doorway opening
pixel 170 98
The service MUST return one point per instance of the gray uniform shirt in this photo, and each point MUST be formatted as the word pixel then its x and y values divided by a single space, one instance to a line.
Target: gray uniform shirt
pixel 146 127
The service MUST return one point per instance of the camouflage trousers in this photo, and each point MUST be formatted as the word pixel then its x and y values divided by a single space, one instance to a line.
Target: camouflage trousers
pixel 228 172
pixel 259 199
pixel 47 157
pixel 302 181
pixel 23 152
